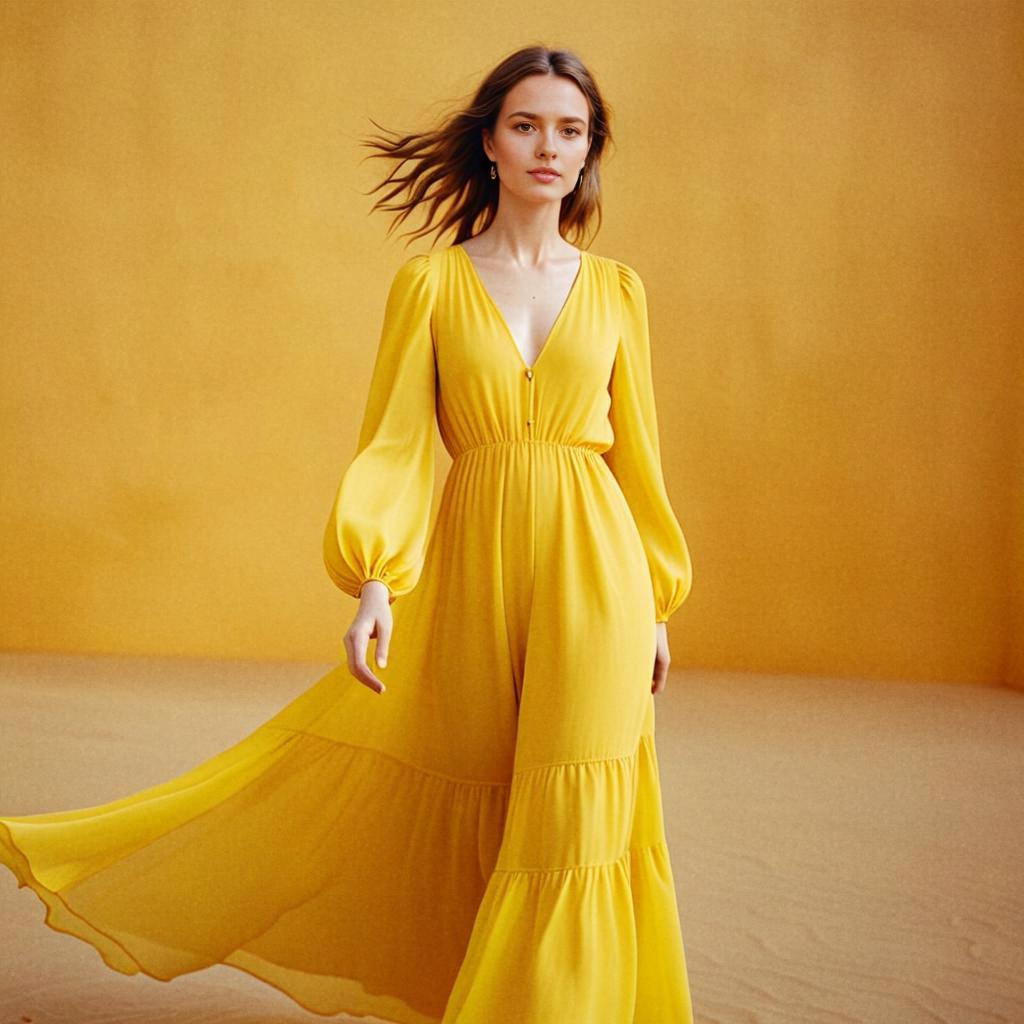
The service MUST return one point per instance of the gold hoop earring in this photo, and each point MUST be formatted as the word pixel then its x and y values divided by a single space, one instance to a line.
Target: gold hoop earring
pixel 494 171
pixel 579 180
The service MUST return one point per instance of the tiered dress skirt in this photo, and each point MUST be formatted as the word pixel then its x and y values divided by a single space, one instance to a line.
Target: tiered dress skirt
pixel 483 842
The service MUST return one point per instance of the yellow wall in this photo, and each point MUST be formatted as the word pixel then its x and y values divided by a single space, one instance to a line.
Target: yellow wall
pixel 820 197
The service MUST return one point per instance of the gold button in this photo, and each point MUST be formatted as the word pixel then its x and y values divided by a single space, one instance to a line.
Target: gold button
pixel 529 374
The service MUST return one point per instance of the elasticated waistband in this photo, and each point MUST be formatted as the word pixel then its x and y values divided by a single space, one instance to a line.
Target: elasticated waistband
pixel 585 449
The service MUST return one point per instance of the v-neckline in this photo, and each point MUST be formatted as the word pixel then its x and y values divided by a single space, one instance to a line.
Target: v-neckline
pixel 501 316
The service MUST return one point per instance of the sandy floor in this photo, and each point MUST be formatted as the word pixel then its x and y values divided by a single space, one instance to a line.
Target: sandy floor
pixel 845 852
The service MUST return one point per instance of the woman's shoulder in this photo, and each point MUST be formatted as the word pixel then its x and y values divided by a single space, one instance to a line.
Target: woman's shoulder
pixel 624 268
pixel 622 274
pixel 419 264
pixel 417 273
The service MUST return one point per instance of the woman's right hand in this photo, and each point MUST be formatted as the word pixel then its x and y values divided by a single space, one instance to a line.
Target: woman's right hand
pixel 372 620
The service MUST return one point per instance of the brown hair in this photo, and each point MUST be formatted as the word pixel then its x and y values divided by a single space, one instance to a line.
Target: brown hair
pixel 449 163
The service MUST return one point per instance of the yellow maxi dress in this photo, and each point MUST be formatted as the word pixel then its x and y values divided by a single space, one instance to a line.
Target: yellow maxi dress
pixel 483 843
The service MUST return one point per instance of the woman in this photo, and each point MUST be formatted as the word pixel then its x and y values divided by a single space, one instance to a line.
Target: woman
pixel 481 841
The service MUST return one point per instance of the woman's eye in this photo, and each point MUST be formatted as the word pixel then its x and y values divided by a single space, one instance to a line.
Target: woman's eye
pixel 526 124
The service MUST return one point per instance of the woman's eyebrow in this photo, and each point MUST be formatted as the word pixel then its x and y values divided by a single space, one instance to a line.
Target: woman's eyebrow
pixel 537 117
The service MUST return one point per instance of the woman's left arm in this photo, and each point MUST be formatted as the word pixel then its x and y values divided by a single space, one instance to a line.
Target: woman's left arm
pixel 635 456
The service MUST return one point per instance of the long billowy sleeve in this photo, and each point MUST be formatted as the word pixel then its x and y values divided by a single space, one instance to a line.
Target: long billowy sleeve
pixel 635 455
pixel 379 521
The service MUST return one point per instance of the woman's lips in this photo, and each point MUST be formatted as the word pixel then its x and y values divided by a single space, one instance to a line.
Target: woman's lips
pixel 545 175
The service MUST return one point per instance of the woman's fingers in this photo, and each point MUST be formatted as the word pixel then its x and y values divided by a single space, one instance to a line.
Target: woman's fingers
pixel 660 674
pixel 383 642
pixel 357 640
pixel 662 658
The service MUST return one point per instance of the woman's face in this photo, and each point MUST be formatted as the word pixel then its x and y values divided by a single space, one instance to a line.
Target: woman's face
pixel 544 122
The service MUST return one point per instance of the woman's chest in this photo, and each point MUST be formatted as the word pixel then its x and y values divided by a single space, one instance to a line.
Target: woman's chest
pixel 475 348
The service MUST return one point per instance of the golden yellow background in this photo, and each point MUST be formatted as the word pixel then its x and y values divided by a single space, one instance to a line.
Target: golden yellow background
pixel 822 197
